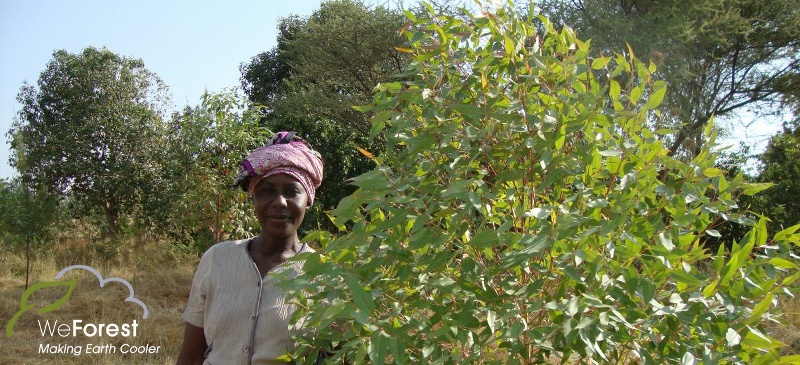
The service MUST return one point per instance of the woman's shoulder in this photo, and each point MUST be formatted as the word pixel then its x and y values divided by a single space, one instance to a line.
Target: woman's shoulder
pixel 227 248
pixel 229 245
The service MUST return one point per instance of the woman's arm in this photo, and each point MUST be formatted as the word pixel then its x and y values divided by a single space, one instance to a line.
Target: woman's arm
pixel 194 346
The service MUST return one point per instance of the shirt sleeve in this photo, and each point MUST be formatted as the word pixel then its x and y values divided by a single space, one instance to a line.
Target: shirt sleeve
pixel 196 306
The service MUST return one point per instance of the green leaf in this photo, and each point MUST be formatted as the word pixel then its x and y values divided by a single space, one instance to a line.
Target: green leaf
pixel 759 309
pixel 361 298
pixel 789 360
pixel 560 137
pixel 332 311
pixel 374 180
pixel 755 339
pixel 712 172
pixel 782 263
pixel 786 233
pixel 377 348
pixel 687 278
pixel 485 238
pixel 421 143
pixel 710 289
pixel 610 153
pixel 508 45
pixel 666 241
pixel 751 189
pixel 398 348
pixel 660 90
pixel 600 63
pixel 615 90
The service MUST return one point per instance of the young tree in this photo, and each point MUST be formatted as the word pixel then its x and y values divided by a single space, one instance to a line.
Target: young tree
pixel 88 129
pixel 519 215
pixel 721 58
pixel 26 219
pixel 197 204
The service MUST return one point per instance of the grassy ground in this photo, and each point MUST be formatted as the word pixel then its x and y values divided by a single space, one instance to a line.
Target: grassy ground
pixel 161 277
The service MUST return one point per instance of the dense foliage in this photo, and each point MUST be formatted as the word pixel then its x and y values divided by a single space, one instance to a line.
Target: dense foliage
pixel 322 66
pixel 781 166
pixel 196 203
pixel 523 212
pixel 722 58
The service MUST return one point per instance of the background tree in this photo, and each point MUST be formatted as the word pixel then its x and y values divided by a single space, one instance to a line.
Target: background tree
pixel 88 130
pixel 781 166
pixel 323 66
pixel 196 204
pixel 721 58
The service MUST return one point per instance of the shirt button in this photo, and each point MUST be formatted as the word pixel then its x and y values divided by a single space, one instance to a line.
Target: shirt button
pixel 246 349
pixel 253 318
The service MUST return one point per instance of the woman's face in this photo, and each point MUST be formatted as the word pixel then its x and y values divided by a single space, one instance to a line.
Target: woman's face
pixel 280 202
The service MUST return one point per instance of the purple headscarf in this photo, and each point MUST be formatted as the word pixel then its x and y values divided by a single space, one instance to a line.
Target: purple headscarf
pixel 287 154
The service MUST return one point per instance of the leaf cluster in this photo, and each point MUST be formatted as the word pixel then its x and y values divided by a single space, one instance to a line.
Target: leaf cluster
pixel 720 57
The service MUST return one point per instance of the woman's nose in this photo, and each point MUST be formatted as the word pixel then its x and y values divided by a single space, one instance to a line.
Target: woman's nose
pixel 280 200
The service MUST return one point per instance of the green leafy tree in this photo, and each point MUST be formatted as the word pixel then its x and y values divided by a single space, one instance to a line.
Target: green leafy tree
pixel 519 215
pixel 27 219
pixel 323 66
pixel 88 129
pixel 197 202
pixel 781 167
pixel 721 58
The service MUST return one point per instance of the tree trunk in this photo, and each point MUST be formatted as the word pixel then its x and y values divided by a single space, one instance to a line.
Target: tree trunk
pixel 27 261
pixel 112 218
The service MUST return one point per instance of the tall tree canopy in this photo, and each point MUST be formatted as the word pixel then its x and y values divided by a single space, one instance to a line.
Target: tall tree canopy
pixel 323 66
pixel 781 161
pixel 87 129
pixel 720 57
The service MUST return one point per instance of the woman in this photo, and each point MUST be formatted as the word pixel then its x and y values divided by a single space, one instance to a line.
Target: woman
pixel 236 314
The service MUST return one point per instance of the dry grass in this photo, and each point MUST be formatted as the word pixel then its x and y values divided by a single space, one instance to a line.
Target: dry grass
pixel 160 276
pixel 788 334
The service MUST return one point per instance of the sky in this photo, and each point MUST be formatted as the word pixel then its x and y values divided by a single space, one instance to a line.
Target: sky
pixel 193 46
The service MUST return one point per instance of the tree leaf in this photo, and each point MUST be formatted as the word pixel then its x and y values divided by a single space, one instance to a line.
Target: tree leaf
pixel 751 189
pixel 377 348
pixel 655 99
pixel 361 298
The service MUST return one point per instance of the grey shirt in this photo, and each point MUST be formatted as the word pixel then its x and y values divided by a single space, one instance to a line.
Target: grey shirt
pixel 244 316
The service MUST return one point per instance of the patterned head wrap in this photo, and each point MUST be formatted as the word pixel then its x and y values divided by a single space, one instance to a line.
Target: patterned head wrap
pixel 287 154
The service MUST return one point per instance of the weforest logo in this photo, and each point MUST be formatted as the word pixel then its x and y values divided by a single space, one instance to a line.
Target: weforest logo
pixel 78 328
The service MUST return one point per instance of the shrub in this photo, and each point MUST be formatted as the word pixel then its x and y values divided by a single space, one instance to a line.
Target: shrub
pixel 526 212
